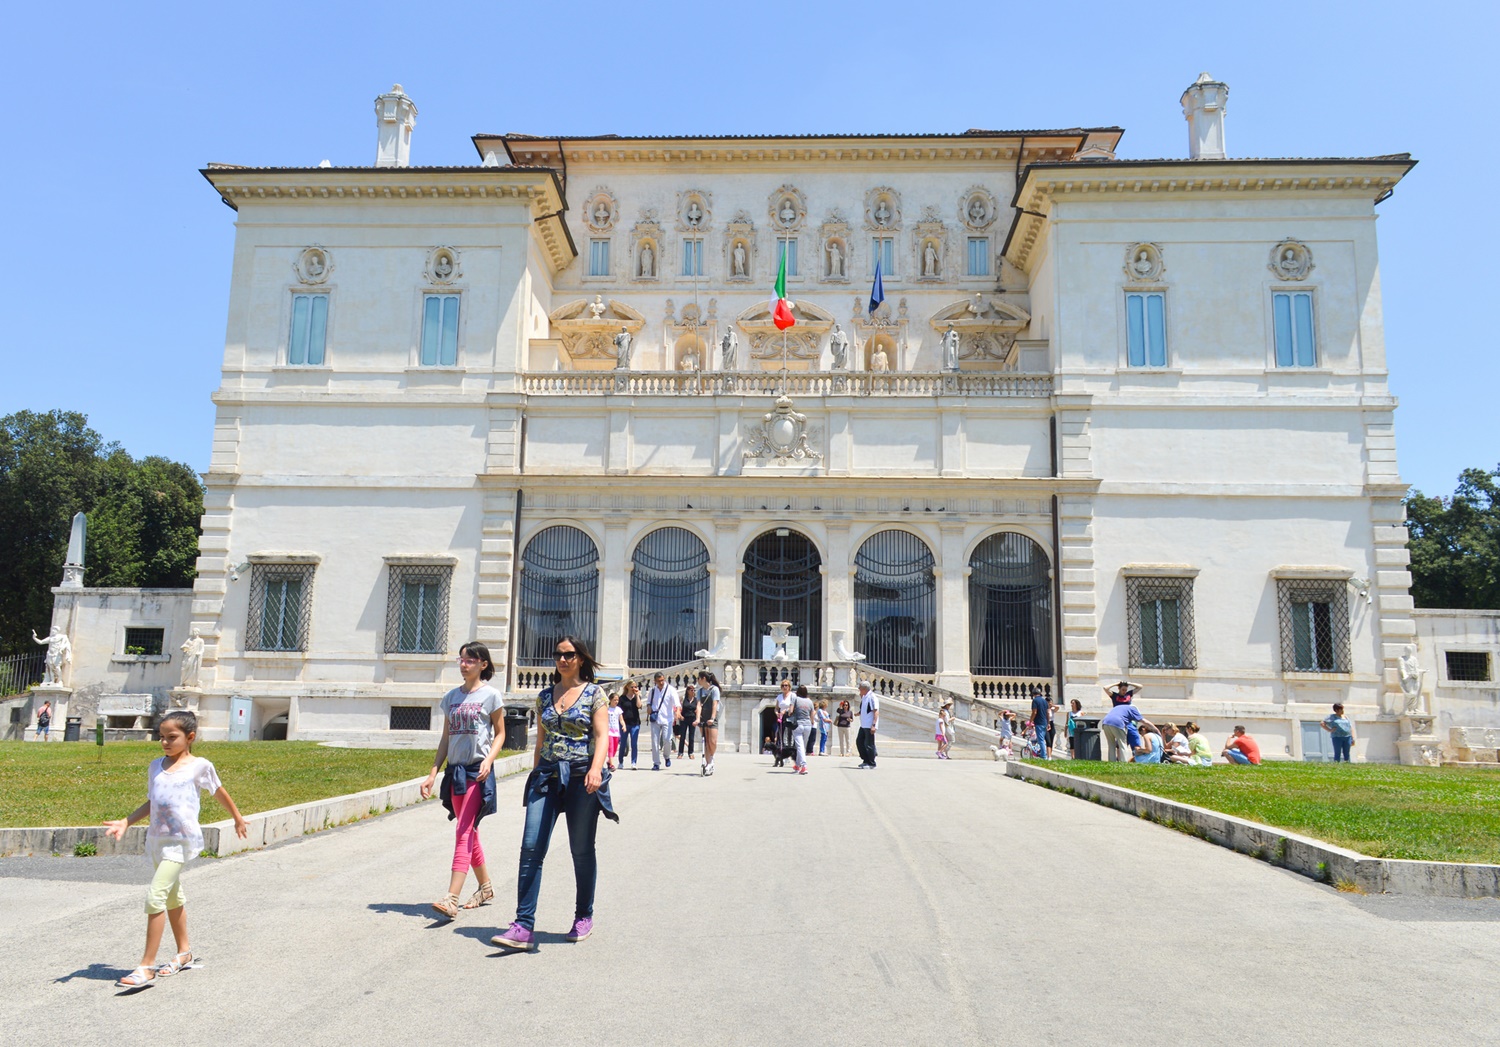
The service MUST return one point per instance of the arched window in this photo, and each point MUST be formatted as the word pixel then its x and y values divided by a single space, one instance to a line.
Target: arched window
pixel 782 583
pixel 669 586
pixel 1010 608
pixel 895 603
pixel 559 593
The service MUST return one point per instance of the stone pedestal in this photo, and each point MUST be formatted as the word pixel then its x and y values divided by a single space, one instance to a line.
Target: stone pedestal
pixel 58 696
pixel 185 698
pixel 1418 744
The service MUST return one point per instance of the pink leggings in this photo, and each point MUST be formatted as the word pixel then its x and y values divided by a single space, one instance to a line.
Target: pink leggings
pixel 614 746
pixel 466 848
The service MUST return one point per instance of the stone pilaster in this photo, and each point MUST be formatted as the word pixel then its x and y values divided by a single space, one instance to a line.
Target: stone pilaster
pixel 952 611
pixel 614 587
pixel 496 581
pixel 1080 622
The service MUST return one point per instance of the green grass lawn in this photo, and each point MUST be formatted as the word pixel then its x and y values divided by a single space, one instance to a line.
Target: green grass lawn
pixel 73 783
pixel 1447 814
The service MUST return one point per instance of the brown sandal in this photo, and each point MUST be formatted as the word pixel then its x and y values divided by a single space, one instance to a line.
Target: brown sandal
pixel 481 896
pixel 448 906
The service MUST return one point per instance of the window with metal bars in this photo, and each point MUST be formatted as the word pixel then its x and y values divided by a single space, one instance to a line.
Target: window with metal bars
pixel 559 593
pixel 1160 623
pixel 782 582
pixel 143 641
pixel 895 603
pixel 416 613
pixel 411 718
pixel 280 606
pixel 1468 666
pixel 1010 608
pixel 1314 620
pixel 669 584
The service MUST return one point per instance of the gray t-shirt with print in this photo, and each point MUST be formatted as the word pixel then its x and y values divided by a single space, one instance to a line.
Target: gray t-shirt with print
pixel 470 731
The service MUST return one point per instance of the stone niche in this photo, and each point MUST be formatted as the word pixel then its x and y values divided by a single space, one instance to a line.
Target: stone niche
pixel 585 330
pixel 988 329
pixel 803 343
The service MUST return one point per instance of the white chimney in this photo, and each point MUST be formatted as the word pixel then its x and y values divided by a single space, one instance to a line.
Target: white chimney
pixel 395 116
pixel 1203 105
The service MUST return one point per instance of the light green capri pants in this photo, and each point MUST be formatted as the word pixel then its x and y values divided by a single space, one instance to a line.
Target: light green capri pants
pixel 165 891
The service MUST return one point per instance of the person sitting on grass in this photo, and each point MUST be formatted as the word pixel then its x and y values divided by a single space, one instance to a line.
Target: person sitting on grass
pixel 1179 750
pixel 1151 748
pixel 1200 755
pixel 1241 748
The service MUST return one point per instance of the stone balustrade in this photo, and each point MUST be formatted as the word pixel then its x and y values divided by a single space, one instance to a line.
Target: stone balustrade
pixel 771 383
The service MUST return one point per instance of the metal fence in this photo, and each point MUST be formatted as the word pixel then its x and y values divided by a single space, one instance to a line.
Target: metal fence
pixel 20 671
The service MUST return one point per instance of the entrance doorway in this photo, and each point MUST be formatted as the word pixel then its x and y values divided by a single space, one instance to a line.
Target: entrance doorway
pixel 782 583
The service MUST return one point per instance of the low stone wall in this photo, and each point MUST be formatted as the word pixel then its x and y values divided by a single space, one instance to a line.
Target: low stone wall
pixel 265 828
pixel 1314 858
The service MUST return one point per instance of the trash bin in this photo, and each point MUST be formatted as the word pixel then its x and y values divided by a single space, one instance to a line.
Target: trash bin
pixel 1086 737
pixel 515 727
pixel 74 730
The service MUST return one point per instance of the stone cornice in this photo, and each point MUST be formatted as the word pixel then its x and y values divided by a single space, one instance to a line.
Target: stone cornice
pixel 539 188
pixel 1043 184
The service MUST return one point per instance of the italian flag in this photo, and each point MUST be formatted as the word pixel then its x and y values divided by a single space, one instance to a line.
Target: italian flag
pixel 781 309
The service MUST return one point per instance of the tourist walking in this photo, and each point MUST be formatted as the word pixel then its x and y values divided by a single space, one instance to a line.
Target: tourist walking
pixel 821 723
pixel 784 742
pixel 44 721
pixel 869 723
pixel 616 722
pixel 1041 720
pixel 568 779
pixel 710 701
pixel 942 730
pixel 1075 708
pixel 1338 725
pixel 802 725
pixel 473 713
pixel 630 723
pixel 688 721
pixel 843 719
pixel 173 839
pixel 663 705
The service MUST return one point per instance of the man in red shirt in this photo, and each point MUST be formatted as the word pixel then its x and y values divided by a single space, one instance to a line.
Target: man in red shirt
pixel 1241 748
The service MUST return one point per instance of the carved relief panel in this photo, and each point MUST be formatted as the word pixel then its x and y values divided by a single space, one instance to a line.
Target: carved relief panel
pixel 1143 263
pixel 1291 260
pixel 882 209
pixel 588 328
pixel 739 249
pixel 976 208
pixel 834 243
pixel 645 238
pixel 694 210
pixel 787 209
pixel 986 328
pixel 442 266
pixel 600 210
pixel 314 265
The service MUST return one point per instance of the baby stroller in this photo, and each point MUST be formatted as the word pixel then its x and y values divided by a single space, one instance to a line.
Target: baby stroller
pixel 784 743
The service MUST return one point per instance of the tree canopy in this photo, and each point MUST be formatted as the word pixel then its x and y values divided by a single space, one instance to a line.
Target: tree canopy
pixel 1455 544
pixel 143 516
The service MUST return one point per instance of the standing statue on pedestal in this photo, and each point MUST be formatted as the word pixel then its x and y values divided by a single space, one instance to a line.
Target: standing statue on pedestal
pixel 1411 679
pixel 648 260
pixel 192 659
pixel 622 349
pixel 950 349
pixel 879 362
pixel 839 343
pixel 835 259
pixel 59 655
pixel 728 349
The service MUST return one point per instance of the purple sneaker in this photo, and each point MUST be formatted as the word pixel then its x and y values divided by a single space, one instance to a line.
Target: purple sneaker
pixel 517 937
pixel 581 929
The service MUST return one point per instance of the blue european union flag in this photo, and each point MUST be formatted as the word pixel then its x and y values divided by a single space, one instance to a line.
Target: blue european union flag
pixel 877 290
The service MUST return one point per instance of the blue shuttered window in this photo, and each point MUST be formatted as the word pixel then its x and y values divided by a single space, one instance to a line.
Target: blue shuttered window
pixel 1146 329
pixel 440 330
pixel 692 258
pixel 1295 344
pixel 789 249
pixel 884 248
pixel 309 329
pixel 979 256
pixel 598 257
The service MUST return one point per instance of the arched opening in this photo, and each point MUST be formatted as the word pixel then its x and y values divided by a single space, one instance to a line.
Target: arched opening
pixel 895 603
pixel 689 354
pixel 782 583
pixel 1010 608
pixel 669 586
pixel 880 346
pixel 559 593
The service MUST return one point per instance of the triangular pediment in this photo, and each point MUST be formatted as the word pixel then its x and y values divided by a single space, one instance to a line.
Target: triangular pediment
pixel 981 311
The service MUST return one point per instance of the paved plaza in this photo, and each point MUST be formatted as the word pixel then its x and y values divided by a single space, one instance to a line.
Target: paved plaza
pixel 921 903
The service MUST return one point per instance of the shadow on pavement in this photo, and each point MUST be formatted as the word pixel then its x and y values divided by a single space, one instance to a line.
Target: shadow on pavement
pixel 95 972
pixel 421 912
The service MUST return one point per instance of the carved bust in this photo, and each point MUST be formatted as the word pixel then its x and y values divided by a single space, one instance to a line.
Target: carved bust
pixel 1291 260
pixel 977 211
pixel 882 212
pixel 597 307
pixel 444 267
pixel 694 213
pixel 1143 261
pixel 788 212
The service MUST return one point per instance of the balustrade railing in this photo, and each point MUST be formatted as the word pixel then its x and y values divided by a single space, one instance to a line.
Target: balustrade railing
pixel 20 671
pixel 769 383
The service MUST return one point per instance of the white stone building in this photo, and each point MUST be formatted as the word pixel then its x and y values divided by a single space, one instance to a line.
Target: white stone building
pixel 1157 443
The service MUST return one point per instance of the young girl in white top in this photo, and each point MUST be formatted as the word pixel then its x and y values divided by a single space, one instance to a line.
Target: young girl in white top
pixel 616 722
pixel 173 839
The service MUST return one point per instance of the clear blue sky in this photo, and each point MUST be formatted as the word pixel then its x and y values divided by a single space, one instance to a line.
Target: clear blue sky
pixel 116 253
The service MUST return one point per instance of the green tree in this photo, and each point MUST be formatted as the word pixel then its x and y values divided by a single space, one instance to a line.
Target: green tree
pixel 143 517
pixel 1455 544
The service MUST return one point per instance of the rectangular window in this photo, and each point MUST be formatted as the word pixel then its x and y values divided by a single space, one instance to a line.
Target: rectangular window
pixel 692 258
pixel 788 248
pixel 979 256
pixel 598 257
pixel 1146 328
pixel 309 329
pixel 439 330
pixel 1314 614
pixel 143 641
pixel 1468 666
pixel 411 718
pixel 1160 622
pixel 1293 313
pixel 884 248
pixel 280 602
pixel 416 619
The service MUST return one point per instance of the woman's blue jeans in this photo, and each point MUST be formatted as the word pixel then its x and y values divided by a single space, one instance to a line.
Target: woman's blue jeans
pixel 630 742
pixel 1341 747
pixel 581 809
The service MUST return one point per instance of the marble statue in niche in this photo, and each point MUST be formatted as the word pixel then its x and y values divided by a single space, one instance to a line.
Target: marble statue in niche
pixel 835 259
pixel 192 659
pixel 929 259
pixel 879 362
pixel 950 349
pixel 740 258
pixel 622 349
pixel 838 341
pixel 648 260
pixel 729 347
pixel 690 359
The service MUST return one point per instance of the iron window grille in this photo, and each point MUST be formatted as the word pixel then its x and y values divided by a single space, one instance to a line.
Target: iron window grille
pixel 411 718
pixel 669 586
pixel 280 606
pixel 1313 615
pixel 1010 608
pixel 895 603
pixel 416 612
pixel 1468 666
pixel 1160 623
pixel 141 641
pixel 559 593
pixel 782 582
